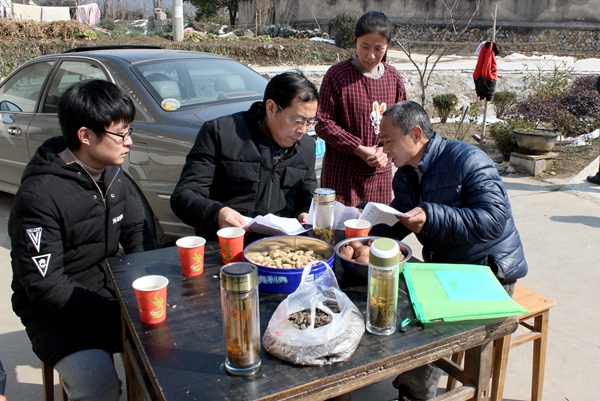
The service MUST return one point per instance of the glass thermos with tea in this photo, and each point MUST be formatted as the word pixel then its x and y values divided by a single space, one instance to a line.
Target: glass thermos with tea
pixel 384 275
pixel 323 216
pixel 241 320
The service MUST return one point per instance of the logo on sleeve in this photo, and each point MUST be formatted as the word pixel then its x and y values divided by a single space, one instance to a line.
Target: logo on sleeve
pixel 35 236
pixel 118 219
pixel 42 262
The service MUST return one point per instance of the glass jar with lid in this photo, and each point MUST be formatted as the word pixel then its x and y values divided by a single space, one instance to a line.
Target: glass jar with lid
pixel 241 320
pixel 323 214
pixel 384 276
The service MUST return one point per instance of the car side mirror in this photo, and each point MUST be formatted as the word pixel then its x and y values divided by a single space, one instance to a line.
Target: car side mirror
pixel 5 105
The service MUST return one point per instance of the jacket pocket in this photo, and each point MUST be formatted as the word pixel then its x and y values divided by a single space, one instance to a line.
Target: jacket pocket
pixel 496 267
pixel 293 177
pixel 238 186
pixel 241 172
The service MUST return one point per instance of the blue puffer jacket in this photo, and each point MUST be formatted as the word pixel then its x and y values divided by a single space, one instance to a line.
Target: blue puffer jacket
pixel 469 219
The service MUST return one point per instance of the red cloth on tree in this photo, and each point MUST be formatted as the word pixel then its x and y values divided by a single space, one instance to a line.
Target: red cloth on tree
pixel 486 71
pixel 349 112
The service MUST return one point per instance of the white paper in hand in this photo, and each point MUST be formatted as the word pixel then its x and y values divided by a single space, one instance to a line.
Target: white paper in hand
pixel 341 213
pixel 274 225
pixel 379 213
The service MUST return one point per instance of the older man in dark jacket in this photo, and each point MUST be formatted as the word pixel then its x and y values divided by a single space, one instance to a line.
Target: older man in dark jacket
pixel 252 163
pixel 457 206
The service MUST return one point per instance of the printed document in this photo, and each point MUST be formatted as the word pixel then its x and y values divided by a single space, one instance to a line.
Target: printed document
pixel 274 225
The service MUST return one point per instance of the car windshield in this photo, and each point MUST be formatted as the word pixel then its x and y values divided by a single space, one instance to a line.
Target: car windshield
pixel 193 82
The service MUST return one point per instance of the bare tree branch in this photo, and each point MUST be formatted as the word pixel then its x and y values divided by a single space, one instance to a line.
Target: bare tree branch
pixel 449 33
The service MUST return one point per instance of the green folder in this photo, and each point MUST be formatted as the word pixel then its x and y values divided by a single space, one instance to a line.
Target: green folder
pixel 451 292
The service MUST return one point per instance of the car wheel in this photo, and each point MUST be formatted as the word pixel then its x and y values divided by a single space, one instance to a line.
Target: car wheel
pixel 148 215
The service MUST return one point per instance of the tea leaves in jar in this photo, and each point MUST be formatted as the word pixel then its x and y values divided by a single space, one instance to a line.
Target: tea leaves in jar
pixel 323 214
pixel 324 233
pixel 382 312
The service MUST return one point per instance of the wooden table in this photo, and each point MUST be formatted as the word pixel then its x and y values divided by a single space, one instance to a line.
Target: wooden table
pixel 183 357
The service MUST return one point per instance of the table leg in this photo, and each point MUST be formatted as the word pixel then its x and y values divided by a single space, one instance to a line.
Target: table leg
pixel 475 375
pixel 500 361
pixel 478 368
pixel 133 385
pixel 539 355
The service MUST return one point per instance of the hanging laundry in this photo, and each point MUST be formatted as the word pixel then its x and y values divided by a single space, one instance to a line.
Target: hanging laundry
pixel 486 71
pixel 25 12
pixel 50 14
pixel 88 14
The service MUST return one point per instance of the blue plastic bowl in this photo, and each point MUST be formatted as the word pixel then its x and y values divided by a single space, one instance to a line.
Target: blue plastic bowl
pixel 286 281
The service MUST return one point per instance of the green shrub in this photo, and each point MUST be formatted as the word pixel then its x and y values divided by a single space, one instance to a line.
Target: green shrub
pixel 108 24
pixel 444 104
pixel 136 32
pixel 522 125
pixel 504 138
pixel 542 86
pixel 503 101
pixel 343 27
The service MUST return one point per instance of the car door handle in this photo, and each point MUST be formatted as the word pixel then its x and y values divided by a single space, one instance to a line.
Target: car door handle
pixel 15 131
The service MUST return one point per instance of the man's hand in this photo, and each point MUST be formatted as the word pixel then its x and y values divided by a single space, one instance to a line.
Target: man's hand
pixel 230 218
pixel 416 220
pixel 302 218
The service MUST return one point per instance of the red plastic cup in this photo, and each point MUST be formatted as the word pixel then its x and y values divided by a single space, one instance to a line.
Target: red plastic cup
pixel 231 240
pixel 151 295
pixel 191 255
pixel 357 228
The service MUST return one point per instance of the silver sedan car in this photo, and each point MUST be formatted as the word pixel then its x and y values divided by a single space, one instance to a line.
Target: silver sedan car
pixel 175 92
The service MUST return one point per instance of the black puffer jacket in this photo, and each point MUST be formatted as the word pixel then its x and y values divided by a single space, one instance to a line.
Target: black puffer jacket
pixel 232 163
pixel 469 219
pixel 61 231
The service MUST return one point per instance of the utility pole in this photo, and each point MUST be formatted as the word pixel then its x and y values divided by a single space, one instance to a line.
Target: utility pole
pixel 177 20
pixel 486 102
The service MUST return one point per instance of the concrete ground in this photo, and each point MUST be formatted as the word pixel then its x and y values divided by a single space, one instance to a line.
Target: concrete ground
pixel 560 227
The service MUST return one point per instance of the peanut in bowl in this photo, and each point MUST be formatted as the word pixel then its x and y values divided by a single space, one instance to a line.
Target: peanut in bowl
pixel 282 273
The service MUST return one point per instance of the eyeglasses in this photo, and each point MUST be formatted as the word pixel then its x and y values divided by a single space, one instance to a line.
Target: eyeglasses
pixel 309 124
pixel 122 136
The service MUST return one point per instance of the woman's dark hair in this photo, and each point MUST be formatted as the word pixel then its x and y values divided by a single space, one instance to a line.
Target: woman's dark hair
pixel 374 22
pixel 286 87
pixel 94 104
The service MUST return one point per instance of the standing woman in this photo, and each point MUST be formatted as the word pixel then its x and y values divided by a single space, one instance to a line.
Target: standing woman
pixel 354 94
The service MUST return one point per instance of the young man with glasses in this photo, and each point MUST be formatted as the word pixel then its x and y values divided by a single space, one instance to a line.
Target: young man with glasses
pixel 71 212
pixel 252 163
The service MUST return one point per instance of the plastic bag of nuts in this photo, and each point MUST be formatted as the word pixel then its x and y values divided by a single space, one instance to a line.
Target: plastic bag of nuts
pixel 315 325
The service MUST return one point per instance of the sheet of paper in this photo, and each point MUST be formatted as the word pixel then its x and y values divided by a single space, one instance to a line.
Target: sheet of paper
pixel 341 213
pixel 274 225
pixel 379 213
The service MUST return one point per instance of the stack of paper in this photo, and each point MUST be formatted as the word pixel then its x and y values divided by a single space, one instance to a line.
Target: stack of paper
pixel 274 225
pixel 452 292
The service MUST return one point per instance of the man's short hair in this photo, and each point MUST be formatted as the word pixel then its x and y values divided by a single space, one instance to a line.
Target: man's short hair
pixel 408 114
pixel 94 104
pixel 287 86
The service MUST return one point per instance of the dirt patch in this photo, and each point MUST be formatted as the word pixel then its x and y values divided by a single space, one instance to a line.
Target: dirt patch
pixel 30 38
pixel 568 163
